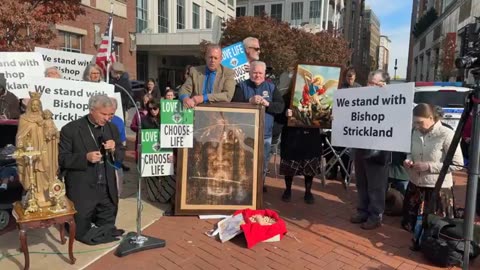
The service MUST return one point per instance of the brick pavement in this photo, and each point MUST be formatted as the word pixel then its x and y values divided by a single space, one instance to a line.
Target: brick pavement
pixel 320 237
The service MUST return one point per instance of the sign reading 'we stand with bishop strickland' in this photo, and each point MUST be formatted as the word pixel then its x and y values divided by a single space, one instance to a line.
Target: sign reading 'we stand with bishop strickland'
pixel 377 118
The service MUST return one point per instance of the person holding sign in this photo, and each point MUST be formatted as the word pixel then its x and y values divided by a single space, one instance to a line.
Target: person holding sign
pixel 161 188
pixel 260 92
pixel 152 119
pixel 252 49
pixel 88 150
pixel 169 94
pixel 371 173
pixel 210 83
pixel 430 143
pixel 301 153
pixel 93 73
pixel 137 118
pixel 53 72
pixel 9 103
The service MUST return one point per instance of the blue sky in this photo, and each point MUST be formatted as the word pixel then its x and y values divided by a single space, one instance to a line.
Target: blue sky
pixel 394 19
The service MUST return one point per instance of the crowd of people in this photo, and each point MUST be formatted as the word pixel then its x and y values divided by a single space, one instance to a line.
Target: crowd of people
pixel 92 148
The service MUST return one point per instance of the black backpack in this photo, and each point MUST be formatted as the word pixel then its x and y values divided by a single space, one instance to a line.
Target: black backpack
pixel 442 242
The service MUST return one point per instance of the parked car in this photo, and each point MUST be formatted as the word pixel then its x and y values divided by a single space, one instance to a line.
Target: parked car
pixel 449 96
pixel 137 89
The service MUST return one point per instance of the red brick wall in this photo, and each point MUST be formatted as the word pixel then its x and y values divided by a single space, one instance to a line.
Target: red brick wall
pixel 121 28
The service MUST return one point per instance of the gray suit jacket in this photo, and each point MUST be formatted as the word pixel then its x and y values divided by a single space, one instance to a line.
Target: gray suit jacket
pixel 223 87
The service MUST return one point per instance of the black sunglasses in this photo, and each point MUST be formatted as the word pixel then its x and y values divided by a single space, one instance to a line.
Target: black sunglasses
pixel 257 49
pixel 153 108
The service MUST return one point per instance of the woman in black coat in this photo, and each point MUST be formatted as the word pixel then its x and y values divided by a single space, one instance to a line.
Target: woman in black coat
pixel 301 154
pixel 152 119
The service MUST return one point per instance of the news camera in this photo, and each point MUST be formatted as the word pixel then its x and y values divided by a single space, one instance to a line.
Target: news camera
pixel 471 49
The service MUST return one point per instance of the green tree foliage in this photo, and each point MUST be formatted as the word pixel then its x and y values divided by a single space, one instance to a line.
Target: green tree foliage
pixel 27 23
pixel 283 46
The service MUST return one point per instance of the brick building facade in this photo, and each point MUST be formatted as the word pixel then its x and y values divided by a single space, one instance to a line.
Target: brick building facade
pixel 85 33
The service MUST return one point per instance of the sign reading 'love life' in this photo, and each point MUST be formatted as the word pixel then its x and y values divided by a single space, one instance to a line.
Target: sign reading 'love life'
pixel 155 160
pixel 176 126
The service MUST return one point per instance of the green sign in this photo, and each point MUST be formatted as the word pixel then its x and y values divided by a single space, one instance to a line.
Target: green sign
pixel 155 160
pixel 177 125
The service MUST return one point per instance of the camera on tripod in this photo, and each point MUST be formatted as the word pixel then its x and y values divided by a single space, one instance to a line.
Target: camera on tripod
pixel 470 60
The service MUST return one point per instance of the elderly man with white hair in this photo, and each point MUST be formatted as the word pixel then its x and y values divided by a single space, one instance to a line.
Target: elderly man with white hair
pixel 258 91
pixel 88 150
pixel 252 48
pixel 53 72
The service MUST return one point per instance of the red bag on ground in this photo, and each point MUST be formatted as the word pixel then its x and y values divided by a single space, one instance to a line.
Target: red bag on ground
pixel 255 233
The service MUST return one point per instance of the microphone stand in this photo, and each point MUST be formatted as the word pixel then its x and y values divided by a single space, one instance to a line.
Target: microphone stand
pixel 135 241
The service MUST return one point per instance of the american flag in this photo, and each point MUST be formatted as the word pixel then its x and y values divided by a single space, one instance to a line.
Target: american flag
pixel 104 55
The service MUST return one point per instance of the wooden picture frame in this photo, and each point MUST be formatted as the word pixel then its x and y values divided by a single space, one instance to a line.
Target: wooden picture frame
pixel 312 95
pixel 223 172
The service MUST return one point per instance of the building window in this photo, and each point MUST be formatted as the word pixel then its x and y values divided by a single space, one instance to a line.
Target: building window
pixel 70 42
pixel 276 11
pixel 241 11
pixel 208 19
pixel 142 13
pixel 297 13
pixel 117 49
pixel 465 10
pixel 315 12
pixel 258 10
pixel 162 16
pixel 180 14
pixel 196 16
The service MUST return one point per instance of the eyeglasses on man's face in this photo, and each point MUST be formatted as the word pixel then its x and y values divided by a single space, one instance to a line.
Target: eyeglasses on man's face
pixel 257 49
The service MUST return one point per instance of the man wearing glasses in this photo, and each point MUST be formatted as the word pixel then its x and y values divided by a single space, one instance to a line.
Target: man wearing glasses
pixel 210 83
pixel 252 48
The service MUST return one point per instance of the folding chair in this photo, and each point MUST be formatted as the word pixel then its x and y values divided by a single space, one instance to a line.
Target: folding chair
pixel 275 151
pixel 329 165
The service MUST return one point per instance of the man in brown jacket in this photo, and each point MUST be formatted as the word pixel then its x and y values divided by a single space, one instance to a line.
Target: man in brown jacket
pixel 210 83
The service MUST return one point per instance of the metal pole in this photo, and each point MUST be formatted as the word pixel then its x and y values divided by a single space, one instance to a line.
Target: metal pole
pixel 139 161
pixel 135 241
pixel 473 173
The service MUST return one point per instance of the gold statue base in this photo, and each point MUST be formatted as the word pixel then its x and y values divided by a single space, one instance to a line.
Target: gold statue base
pixel 31 204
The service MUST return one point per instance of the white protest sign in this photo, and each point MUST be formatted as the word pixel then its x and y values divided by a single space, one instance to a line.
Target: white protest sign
pixel 176 125
pixel 119 111
pixel 234 57
pixel 71 65
pixel 373 117
pixel 68 100
pixel 18 67
pixel 155 161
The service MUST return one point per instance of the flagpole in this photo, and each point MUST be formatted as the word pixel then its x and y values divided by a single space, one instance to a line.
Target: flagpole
pixel 109 49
